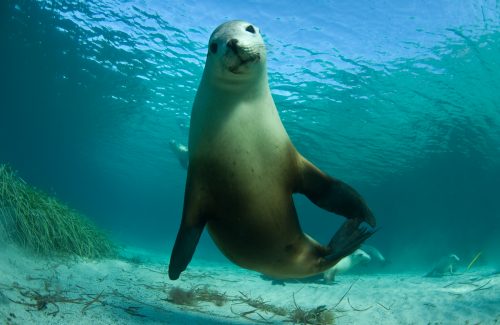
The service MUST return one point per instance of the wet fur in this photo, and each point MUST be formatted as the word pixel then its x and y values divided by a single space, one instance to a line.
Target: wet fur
pixel 243 170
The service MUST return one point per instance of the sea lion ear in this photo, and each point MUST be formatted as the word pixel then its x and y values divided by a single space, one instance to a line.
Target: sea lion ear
pixel 332 194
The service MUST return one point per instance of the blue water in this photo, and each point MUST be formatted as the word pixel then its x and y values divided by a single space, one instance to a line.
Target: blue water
pixel 401 99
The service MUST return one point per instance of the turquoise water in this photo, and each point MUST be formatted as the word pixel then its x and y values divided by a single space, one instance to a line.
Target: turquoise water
pixel 401 99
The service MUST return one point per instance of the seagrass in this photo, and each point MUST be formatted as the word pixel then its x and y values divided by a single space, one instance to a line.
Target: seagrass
pixel 36 221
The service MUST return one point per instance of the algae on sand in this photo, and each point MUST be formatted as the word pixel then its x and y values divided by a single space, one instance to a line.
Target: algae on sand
pixel 43 224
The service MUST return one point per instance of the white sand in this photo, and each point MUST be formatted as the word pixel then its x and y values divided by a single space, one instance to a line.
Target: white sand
pixel 118 292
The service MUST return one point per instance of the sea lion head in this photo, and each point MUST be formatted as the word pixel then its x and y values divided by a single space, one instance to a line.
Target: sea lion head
pixel 452 258
pixel 360 257
pixel 236 50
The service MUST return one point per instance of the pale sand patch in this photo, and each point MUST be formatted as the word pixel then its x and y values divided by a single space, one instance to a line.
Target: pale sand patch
pixel 40 291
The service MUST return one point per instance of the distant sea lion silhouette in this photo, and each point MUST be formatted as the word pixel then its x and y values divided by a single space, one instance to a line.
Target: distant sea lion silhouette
pixel 346 264
pixel 374 253
pixel 181 152
pixel 243 170
pixel 445 266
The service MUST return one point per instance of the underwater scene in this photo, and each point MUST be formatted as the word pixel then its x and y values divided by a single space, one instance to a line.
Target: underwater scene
pixel 257 162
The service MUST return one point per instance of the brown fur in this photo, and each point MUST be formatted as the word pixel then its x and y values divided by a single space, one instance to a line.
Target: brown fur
pixel 243 170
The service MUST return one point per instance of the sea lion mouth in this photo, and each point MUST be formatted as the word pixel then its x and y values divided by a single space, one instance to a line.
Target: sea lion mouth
pixel 242 62
pixel 242 56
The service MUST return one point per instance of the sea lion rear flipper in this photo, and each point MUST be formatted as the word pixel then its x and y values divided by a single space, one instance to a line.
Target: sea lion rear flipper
pixel 347 239
pixel 192 225
pixel 332 194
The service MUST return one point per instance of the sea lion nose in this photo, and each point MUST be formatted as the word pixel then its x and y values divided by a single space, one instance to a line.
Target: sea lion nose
pixel 232 44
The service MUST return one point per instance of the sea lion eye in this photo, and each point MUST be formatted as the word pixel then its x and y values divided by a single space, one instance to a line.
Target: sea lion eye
pixel 250 29
pixel 213 47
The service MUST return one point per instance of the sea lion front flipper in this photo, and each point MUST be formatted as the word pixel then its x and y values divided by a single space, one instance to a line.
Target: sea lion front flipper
pixel 184 247
pixel 192 225
pixel 332 194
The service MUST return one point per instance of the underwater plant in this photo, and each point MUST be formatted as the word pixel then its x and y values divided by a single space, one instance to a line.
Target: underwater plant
pixel 41 223
pixel 180 296
pixel 262 305
pixel 209 295
pixel 192 296
pixel 317 316
pixel 476 257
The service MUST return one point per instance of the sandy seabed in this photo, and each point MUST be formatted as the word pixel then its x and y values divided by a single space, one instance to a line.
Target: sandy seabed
pixel 137 290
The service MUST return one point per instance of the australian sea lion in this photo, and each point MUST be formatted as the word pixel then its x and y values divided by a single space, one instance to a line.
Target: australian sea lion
pixel 181 152
pixel 243 170
pixel 375 254
pixel 446 266
pixel 346 264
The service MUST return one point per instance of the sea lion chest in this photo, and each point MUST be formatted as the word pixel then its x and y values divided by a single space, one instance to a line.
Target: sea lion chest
pixel 246 164
pixel 239 147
